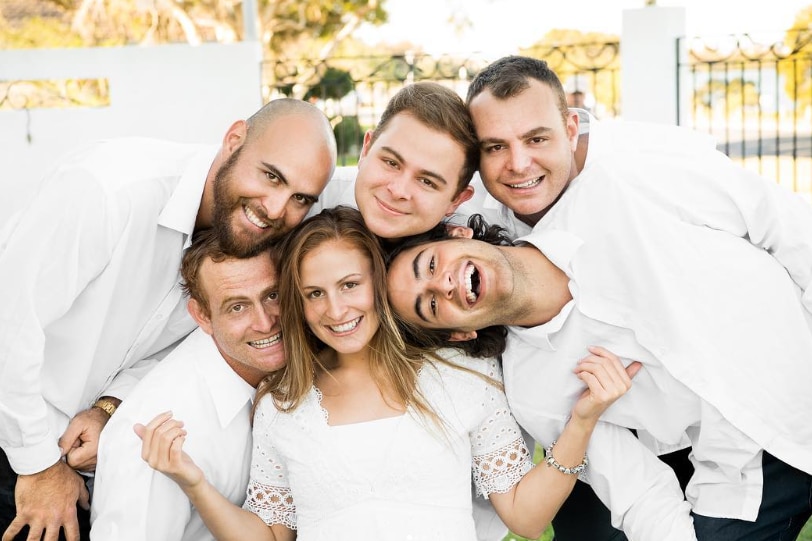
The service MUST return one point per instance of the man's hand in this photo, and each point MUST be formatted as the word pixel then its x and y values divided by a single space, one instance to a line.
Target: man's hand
pixel 606 380
pixel 47 501
pixel 80 442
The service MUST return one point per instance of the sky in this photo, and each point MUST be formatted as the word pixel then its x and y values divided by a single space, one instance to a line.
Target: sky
pixel 501 26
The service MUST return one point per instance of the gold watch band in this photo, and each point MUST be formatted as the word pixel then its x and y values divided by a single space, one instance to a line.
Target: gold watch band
pixel 106 405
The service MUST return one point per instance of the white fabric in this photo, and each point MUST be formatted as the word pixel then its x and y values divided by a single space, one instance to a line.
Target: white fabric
pixel 131 501
pixel 419 488
pixel 341 191
pixel 88 278
pixel 653 235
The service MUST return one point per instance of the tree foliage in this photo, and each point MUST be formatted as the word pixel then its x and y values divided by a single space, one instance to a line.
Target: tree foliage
pixel 795 60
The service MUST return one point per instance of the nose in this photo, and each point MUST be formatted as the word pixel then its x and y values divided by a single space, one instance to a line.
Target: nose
pixel 336 308
pixel 398 186
pixel 264 319
pixel 275 206
pixel 519 159
pixel 443 284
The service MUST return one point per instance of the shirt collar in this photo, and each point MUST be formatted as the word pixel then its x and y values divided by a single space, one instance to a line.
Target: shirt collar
pixel 541 336
pixel 560 248
pixel 230 393
pixel 180 212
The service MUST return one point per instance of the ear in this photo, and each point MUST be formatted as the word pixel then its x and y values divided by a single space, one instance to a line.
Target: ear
pixel 366 145
pixel 459 231
pixel 466 194
pixel 235 137
pixel 199 315
pixel 573 121
pixel 462 336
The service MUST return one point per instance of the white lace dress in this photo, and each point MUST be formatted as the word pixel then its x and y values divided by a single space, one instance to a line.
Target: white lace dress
pixel 391 479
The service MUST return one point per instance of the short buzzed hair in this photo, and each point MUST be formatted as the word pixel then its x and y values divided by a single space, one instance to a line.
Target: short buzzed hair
pixel 264 117
pixel 509 76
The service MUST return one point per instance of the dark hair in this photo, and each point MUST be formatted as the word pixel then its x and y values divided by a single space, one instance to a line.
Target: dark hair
pixel 509 76
pixel 207 244
pixel 490 341
pixel 442 110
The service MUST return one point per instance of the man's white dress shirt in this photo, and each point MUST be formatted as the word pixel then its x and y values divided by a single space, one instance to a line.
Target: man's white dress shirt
pixel 699 269
pixel 89 284
pixel 131 501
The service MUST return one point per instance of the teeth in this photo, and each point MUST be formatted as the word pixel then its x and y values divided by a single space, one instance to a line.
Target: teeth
pixel 253 218
pixel 526 184
pixel 344 327
pixel 266 342
pixel 470 296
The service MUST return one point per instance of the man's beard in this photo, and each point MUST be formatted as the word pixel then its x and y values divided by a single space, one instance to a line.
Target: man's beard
pixel 225 205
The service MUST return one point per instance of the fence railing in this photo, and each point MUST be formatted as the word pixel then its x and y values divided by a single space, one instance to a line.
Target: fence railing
pixel 353 92
pixel 753 93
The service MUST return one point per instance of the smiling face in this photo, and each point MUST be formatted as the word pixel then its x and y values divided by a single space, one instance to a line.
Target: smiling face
pixel 526 148
pixel 408 178
pixel 457 284
pixel 339 299
pixel 269 181
pixel 243 314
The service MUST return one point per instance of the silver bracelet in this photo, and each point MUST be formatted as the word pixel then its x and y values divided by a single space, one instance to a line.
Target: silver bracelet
pixel 551 461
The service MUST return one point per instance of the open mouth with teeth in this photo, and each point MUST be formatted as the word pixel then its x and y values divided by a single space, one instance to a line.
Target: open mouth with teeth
pixel 253 218
pixel 527 183
pixel 266 342
pixel 472 283
pixel 345 327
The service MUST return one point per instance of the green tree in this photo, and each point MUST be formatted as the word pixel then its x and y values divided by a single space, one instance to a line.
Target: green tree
pixel 795 60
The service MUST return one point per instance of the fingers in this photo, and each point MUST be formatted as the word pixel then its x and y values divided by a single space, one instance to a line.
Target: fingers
pixel 13 529
pixel 633 369
pixel 158 438
pixel 605 376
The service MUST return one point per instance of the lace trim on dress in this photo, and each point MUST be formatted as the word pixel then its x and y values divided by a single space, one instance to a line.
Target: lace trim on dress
pixel 274 505
pixel 324 412
pixel 500 470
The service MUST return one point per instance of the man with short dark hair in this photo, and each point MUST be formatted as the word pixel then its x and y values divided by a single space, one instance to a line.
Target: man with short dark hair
pixel 655 233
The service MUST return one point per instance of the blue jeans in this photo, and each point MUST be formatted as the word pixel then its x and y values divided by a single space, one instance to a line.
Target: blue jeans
pixel 786 505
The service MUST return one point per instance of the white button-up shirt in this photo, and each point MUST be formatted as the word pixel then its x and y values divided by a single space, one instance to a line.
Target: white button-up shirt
pixel 89 284
pixel 700 270
pixel 131 501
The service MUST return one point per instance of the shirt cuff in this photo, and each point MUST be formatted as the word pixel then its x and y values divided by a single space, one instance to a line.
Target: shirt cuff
pixel 34 458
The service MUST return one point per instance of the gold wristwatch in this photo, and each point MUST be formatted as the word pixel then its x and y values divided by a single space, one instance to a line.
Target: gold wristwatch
pixel 106 405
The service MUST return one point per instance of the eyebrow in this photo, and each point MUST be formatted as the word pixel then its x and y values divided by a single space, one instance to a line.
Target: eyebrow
pixel 416 269
pixel 424 172
pixel 526 135
pixel 312 198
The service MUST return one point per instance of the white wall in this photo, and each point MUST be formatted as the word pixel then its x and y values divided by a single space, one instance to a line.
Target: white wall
pixel 648 73
pixel 178 92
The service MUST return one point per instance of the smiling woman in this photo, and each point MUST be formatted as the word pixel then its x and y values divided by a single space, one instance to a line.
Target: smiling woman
pixel 363 435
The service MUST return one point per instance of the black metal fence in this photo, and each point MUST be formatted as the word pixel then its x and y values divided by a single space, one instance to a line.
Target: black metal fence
pixel 353 92
pixel 753 93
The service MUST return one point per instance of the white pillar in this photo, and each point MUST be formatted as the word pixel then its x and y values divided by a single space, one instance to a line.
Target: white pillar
pixel 250 20
pixel 649 63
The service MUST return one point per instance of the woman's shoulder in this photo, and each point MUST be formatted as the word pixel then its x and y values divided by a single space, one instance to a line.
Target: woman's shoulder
pixel 459 364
